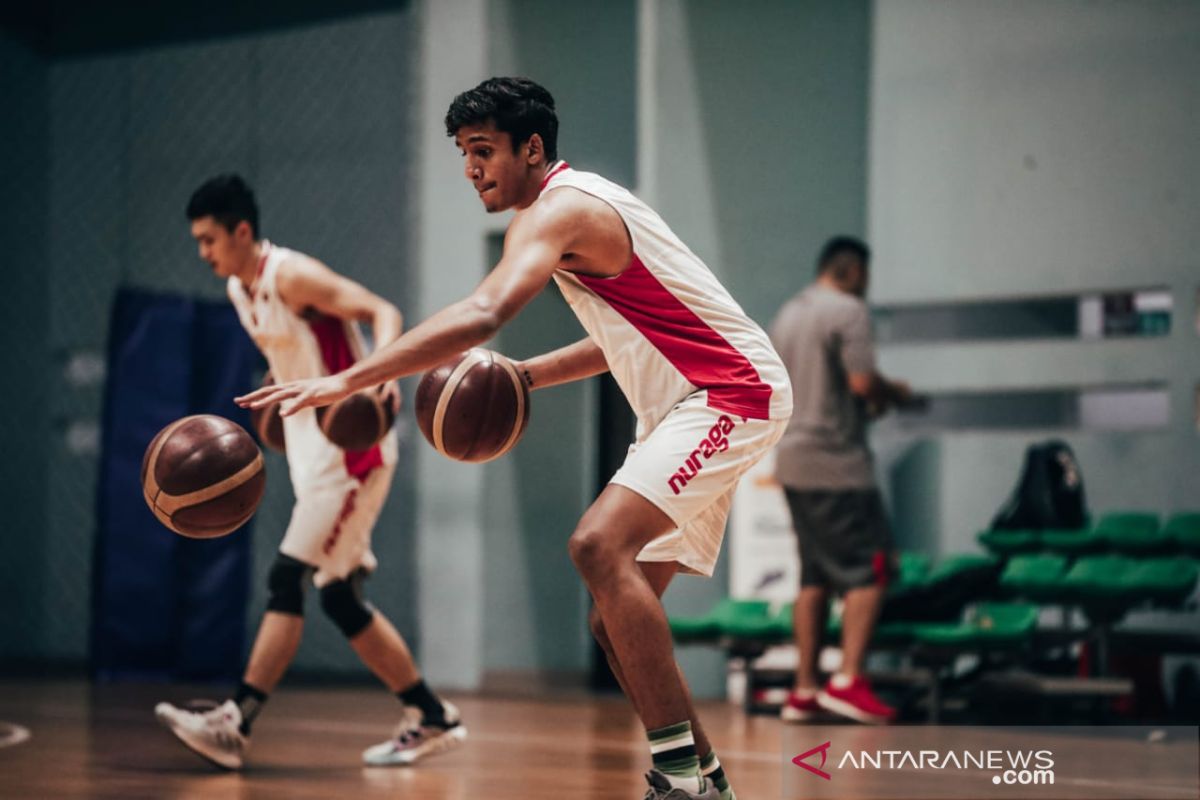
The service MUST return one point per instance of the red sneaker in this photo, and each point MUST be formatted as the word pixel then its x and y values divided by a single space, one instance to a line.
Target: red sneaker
pixel 799 709
pixel 856 701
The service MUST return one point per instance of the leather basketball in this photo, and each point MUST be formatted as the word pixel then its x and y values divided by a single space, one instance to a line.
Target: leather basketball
pixel 203 476
pixel 357 422
pixel 266 422
pixel 474 407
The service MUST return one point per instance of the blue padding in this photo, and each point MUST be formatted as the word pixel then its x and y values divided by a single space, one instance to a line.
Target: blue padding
pixel 166 607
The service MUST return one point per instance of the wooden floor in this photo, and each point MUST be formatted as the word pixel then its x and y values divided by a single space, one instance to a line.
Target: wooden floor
pixel 103 742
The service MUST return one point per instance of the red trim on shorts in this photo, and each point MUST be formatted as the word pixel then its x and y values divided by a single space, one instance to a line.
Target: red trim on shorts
pixel 703 356
pixel 879 567
pixel 334 343
pixel 343 514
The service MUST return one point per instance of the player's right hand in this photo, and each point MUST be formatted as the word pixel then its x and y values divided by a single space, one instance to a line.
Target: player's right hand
pixel 296 395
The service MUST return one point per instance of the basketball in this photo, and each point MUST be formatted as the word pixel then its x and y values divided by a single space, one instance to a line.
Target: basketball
pixel 267 423
pixel 357 422
pixel 473 408
pixel 203 476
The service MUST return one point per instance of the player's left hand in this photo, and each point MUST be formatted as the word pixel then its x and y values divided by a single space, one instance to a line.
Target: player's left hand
pixel 296 395
pixel 390 393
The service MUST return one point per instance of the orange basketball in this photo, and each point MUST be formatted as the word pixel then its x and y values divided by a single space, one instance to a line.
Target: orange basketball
pixel 203 476
pixel 357 422
pixel 474 407
pixel 267 423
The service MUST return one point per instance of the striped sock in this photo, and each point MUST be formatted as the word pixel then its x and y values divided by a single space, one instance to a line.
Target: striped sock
pixel 711 768
pixel 674 752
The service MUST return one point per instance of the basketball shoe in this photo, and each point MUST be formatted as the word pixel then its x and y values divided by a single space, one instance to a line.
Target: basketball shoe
pixel 661 789
pixel 414 740
pixel 800 708
pixel 853 698
pixel 212 734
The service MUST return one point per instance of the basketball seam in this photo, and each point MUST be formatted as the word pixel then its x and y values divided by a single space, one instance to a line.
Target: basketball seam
pixel 481 419
pixel 150 488
pixel 381 418
pixel 174 502
pixel 519 387
pixel 327 420
pixel 473 357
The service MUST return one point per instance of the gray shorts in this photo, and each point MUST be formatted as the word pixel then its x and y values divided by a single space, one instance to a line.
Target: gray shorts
pixel 844 535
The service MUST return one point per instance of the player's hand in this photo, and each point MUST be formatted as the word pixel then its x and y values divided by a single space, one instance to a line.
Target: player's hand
pixel 296 395
pixel 390 393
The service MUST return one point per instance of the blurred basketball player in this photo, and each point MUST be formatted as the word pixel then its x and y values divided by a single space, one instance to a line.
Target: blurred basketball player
pixel 303 317
pixel 710 393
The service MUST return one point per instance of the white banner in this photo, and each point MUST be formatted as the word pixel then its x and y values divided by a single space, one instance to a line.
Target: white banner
pixel 763 560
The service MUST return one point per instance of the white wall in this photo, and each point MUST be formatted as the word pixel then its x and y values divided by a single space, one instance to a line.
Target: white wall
pixel 1027 148
pixel 1023 146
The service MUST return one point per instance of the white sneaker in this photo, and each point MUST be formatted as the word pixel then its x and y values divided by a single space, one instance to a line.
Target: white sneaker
pixel 212 734
pixel 413 740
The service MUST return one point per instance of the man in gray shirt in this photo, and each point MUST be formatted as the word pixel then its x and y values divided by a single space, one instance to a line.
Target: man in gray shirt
pixel 825 465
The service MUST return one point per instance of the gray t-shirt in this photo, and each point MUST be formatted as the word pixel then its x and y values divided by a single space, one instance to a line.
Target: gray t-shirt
pixel 824 335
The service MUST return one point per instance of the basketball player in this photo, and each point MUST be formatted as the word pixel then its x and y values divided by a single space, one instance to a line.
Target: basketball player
pixel 710 394
pixel 303 317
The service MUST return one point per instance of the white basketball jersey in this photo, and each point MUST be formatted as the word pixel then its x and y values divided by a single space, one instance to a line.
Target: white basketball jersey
pixel 299 347
pixel 667 327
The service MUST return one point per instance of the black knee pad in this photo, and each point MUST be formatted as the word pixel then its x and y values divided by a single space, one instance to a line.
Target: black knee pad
pixel 286 583
pixel 343 603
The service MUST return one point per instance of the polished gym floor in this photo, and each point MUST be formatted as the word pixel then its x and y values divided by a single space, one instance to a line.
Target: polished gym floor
pixel 103 742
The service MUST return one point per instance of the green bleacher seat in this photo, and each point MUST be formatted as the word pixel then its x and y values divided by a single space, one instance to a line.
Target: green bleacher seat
pixel 703 628
pixel 738 619
pixel 1103 581
pixel 1165 581
pixel 986 625
pixel 1037 578
pixel 960 566
pixel 1074 542
pixel 1184 530
pixel 755 619
pixel 1008 543
pixel 1133 532
pixel 911 571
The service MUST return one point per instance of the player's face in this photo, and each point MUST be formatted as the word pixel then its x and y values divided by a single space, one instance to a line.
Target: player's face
pixel 218 246
pixel 499 175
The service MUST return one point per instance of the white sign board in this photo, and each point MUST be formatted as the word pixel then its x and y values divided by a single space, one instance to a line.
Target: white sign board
pixel 763 560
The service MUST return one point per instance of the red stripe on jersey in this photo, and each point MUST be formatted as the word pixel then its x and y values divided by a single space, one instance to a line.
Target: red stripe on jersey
pixel 337 355
pixel 557 169
pixel 700 354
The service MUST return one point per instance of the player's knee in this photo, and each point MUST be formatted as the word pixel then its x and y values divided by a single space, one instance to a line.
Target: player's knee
pixel 342 602
pixel 285 585
pixel 589 551
pixel 599 632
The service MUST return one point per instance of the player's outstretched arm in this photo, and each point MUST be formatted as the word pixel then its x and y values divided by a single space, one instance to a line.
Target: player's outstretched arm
pixel 571 363
pixel 533 247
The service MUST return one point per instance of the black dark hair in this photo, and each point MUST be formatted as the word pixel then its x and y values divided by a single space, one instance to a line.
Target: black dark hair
pixel 839 246
pixel 227 199
pixel 517 106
